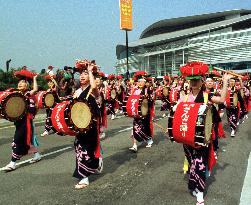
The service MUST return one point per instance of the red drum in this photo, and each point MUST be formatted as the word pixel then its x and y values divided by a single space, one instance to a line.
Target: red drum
pixel 135 106
pixel 191 124
pixel 71 117
pixel 45 99
pixel 13 105
pixel 231 99
pixel 158 92
pixel 111 94
pixel 175 95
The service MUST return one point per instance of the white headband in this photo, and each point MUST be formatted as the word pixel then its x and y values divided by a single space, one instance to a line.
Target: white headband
pixel 208 79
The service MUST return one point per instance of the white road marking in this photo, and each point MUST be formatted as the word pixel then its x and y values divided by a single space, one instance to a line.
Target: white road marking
pixel 246 189
pixel 43 155
pixel 118 117
pixel 11 126
pixel 129 128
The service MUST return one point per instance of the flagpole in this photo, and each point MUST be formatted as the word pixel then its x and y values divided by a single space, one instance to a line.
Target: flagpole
pixel 127 54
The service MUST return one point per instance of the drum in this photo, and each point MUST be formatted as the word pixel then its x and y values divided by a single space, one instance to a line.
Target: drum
pixel 45 99
pixel 191 124
pixel 13 105
pixel 119 90
pixel 175 95
pixel 113 94
pixel 71 117
pixel 158 93
pixel 231 100
pixel 165 91
pixel 135 106
pixel 101 99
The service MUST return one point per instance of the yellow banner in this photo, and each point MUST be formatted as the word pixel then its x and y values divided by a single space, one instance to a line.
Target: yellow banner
pixel 125 14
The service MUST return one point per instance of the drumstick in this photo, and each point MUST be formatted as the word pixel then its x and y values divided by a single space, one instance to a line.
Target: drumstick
pixel 87 96
pixel 159 126
pixel 229 72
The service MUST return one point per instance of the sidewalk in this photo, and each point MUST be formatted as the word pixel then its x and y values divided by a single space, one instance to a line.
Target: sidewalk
pixel 39 118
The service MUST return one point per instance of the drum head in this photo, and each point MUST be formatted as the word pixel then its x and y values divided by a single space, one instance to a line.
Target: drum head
pixel 182 93
pixel 119 91
pixel 208 125
pixel 49 100
pixel 113 93
pixel 15 107
pixel 144 107
pixel 165 92
pixel 81 115
pixel 235 99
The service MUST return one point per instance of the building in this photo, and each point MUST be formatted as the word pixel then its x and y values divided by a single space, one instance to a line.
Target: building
pixel 222 39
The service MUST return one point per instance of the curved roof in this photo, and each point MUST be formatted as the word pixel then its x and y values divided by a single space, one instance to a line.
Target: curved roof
pixel 156 39
pixel 175 24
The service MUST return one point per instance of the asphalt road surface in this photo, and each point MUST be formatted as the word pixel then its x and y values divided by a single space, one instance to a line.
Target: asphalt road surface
pixel 151 176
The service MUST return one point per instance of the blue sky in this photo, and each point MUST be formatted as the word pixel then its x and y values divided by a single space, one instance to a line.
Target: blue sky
pixel 38 33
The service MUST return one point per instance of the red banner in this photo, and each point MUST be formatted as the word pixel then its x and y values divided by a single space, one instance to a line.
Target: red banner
pixel 173 97
pixel 184 122
pixel 125 14
pixel 132 105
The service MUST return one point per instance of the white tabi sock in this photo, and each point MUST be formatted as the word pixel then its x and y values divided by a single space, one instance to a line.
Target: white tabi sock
pixel 12 163
pixel 84 181
pixel 199 196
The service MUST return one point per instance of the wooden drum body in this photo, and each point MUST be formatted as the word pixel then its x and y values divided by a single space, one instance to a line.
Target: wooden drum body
pixel 13 105
pixel 191 124
pixel 71 117
pixel 135 106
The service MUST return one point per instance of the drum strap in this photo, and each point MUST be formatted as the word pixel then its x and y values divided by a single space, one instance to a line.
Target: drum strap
pixel 205 95
pixel 186 98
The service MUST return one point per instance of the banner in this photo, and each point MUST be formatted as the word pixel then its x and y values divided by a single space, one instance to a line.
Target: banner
pixel 125 14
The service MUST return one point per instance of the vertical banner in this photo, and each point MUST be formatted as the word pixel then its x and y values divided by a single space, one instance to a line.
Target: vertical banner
pixel 125 14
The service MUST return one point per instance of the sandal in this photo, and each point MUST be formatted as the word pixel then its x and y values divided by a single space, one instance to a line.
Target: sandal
pixel 200 203
pixel 8 168
pixel 134 149
pixel 80 186
pixel 34 160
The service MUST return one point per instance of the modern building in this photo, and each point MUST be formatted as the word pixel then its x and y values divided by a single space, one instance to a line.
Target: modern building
pixel 222 39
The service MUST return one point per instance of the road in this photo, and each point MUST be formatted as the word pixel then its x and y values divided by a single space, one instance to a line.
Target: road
pixel 151 176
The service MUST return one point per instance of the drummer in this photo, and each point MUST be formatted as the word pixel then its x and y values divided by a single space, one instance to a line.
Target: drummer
pixel 233 111
pixel 198 158
pixel 165 98
pixel 100 77
pixel 53 87
pixel 120 93
pixel 25 140
pixel 87 145
pixel 142 127
pixel 218 129
pixel 111 101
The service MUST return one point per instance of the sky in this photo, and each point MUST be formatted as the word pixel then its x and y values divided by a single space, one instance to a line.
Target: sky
pixel 39 33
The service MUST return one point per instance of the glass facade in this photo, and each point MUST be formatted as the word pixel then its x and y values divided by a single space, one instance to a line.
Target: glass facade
pixel 224 48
